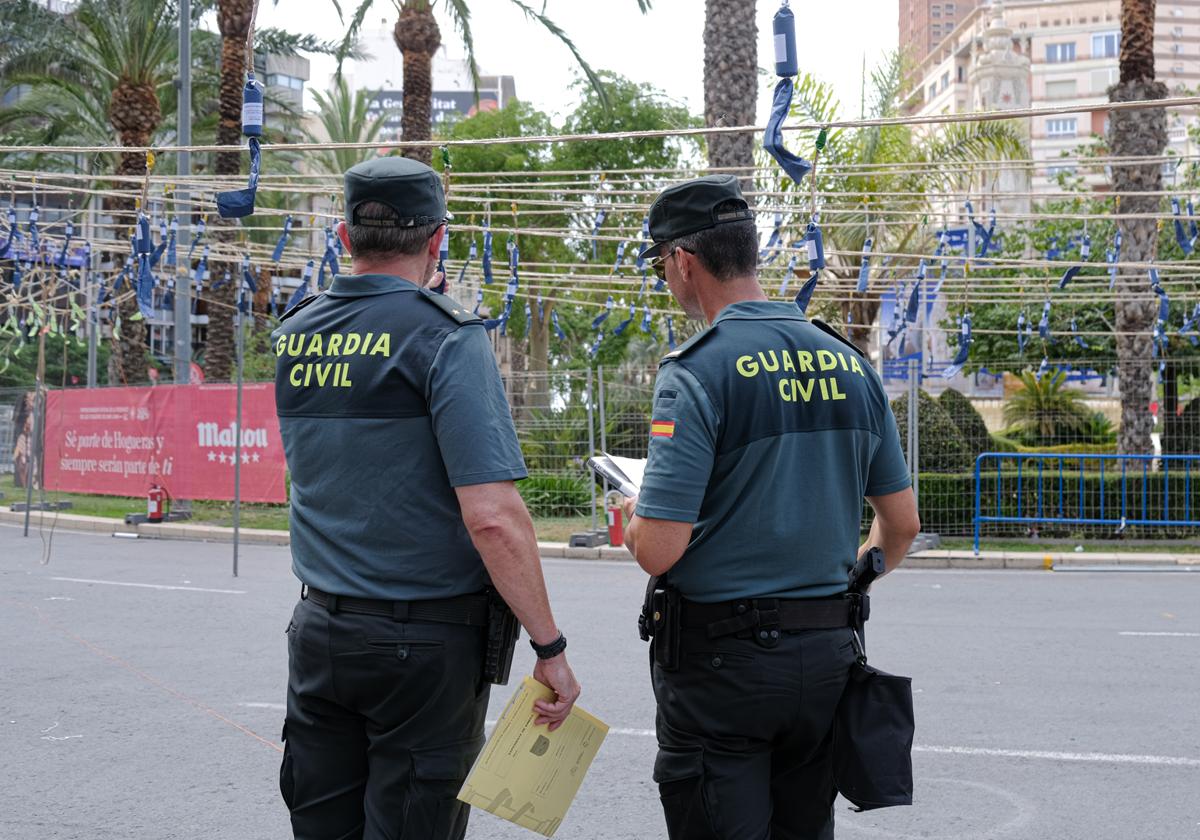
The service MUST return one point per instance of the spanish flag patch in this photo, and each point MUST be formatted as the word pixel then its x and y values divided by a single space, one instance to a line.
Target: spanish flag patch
pixel 662 428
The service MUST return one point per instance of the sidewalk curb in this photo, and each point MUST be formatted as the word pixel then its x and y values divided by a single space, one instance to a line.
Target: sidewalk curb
pixel 937 558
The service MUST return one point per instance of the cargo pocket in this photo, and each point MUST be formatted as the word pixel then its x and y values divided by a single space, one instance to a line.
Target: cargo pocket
pixel 437 776
pixel 679 772
pixel 287 784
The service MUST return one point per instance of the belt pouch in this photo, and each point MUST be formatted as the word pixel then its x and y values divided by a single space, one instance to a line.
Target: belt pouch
pixel 666 621
pixel 502 634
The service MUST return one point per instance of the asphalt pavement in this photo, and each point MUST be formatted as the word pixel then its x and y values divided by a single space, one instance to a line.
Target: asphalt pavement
pixel 142 689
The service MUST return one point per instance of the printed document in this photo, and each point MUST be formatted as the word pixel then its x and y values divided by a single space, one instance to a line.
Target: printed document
pixel 625 474
pixel 527 774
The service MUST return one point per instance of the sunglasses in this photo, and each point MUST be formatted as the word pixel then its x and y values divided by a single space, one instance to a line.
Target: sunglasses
pixel 659 264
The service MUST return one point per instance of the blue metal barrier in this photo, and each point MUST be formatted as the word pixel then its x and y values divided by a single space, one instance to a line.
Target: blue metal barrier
pixel 1019 482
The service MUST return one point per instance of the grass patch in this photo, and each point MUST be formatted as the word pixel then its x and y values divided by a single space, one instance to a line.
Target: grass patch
pixel 1057 546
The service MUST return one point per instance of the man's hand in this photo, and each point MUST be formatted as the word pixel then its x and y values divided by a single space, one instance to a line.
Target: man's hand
pixel 436 280
pixel 629 506
pixel 556 674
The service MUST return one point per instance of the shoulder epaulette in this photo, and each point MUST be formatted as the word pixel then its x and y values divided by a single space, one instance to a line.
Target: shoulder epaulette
pixel 825 328
pixel 689 345
pixel 298 307
pixel 451 307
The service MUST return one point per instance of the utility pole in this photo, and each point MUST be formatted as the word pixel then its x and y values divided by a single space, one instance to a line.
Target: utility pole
pixel 183 284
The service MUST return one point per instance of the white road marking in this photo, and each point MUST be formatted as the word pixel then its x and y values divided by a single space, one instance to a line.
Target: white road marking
pixel 1047 755
pixel 276 706
pixel 151 585
pixel 1158 633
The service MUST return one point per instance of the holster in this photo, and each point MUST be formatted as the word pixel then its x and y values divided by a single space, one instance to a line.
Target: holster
pixel 660 621
pixel 502 633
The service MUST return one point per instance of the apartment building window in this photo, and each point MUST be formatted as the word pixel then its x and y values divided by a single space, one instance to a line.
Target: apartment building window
pixel 935 11
pixel 1103 79
pixel 1106 45
pixel 283 80
pixel 932 92
pixel 1063 89
pixel 1058 53
pixel 962 74
pixel 946 80
pixel 1062 127
pixel 1177 31
pixel 949 9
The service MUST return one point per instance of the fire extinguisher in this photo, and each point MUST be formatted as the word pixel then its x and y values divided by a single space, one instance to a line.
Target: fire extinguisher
pixel 158 503
pixel 616 528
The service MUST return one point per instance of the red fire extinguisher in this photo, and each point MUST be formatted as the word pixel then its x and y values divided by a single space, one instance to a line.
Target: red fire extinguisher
pixel 616 527
pixel 158 503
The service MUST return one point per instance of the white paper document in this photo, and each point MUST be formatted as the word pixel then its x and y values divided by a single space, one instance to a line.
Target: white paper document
pixel 625 474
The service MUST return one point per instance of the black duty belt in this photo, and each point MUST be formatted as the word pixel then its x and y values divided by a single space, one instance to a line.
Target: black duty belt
pixel 767 615
pixel 471 610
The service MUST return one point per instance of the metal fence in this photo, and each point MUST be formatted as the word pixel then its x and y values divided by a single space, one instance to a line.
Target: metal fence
pixel 562 416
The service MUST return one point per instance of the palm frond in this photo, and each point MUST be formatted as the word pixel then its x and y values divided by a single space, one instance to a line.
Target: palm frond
pixel 557 31
pixel 349 41
pixel 460 14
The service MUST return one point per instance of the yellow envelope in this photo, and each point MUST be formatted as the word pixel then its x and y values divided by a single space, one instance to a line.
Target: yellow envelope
pixel 527 774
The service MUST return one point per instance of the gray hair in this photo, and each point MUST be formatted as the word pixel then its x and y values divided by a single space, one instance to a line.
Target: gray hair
pixel 368 240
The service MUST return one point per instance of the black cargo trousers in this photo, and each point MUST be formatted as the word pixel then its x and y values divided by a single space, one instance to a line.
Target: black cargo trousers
pixel 384 720
pixel 744 734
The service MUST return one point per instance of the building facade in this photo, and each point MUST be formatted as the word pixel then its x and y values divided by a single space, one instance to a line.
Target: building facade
pixel 1069 49
pixel 923 23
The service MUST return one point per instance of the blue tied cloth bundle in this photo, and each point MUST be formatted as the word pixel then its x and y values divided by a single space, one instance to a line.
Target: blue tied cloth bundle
pixel 236 204
pixel 173 244
pixel 472 254
pixel 1079 339
pixel 302 291
pixel 1044 324
pixel 201 269
pixel 816 261
pixel 1187 244
pixel 788 274
pixel 596 344
pixel 1024 331
pixel 144 248
pixel 478 301
pixel 197 235
pixel 562 336
pixel 514 282
pixel 1189 325
pixel 913 309
pixel 864 269
pixel 487 253
pixel 601 215
pixel 443 255
pixel 795 166
pixel 69 232
pixel 646 319
pixel 770 251
pixel 1112 257
pixel 640 264
pixel 34 241
pixel 620 255
pixel 670 332
pixel 1052 250
pixel 620 328
pixel 603 316
pixel 964 347
pixel 282 241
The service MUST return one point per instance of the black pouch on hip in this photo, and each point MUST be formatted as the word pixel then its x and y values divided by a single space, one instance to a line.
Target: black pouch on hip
pixel 665 618
pixel 872 739
pixel 502 634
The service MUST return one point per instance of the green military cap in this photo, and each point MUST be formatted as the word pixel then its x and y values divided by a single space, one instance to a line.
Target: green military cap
pixel 691 206
pixel 410 188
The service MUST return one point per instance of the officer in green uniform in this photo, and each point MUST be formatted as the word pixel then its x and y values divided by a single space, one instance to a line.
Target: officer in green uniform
pixel 402 456
pixel 768 431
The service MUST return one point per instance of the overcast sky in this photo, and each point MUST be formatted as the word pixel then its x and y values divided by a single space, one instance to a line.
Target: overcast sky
pixel 664 47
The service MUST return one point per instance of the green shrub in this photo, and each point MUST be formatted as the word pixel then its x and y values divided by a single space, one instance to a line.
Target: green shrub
pixel 968 420
pixel 942 448
pixel 551 494
pixel 1044 412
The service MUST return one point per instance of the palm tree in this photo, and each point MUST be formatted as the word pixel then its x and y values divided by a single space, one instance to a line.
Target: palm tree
pixel 1136 134
pixel 345 116
pixel 110 58
pixel 1044 412
pixel 418 37
pixel 730 79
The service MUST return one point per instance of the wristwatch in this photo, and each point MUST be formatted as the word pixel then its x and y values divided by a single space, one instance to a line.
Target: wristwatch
pixel 551 650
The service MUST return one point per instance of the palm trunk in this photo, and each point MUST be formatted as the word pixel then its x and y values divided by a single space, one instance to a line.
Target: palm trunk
pixel 233 19
pixel 417 37
pixel 135 113
pixel 539 360
pixel 1136 134
pixel 730 80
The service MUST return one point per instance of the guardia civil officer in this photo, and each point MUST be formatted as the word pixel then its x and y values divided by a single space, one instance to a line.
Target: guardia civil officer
pixel 768 431
pixel 402 455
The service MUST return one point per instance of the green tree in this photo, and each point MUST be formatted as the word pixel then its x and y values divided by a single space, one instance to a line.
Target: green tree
pixel 346 118
pixel 418 37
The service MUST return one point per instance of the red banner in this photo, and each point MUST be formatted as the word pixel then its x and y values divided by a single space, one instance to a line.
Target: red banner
pixel 119 441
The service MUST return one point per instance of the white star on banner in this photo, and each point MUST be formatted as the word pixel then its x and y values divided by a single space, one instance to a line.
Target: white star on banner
pixel 232 458
pixel 222 456
pixel 212 456
pixel 245 457
pixel 254 457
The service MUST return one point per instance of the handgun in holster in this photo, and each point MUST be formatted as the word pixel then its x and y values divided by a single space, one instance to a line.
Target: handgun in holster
pixel 866 569
pixel 502 634
pixel 660 621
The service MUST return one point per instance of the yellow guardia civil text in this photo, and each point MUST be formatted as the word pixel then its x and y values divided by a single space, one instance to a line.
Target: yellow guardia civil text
pixel 314 350
pixel 805 375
